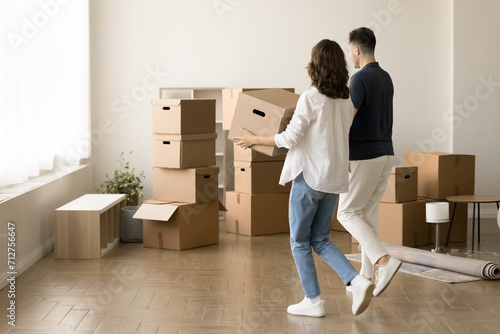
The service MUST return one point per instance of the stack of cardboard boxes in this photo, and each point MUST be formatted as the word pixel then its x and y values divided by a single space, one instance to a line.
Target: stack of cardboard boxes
pixel 259 205
pixel 426 177
pixel 401 213
pixel 184 212
pixel 441 175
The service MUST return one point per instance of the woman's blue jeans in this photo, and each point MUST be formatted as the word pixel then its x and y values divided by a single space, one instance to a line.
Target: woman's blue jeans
pixel 310 214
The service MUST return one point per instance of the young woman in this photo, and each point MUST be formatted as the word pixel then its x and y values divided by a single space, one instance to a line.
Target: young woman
pixel 317 160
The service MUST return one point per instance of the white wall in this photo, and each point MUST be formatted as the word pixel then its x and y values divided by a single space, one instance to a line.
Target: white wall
pixel 476 83
pixel 255 44
pixel 33 215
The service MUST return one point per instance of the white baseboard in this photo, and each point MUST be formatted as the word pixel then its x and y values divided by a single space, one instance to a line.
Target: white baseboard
pixel 31 259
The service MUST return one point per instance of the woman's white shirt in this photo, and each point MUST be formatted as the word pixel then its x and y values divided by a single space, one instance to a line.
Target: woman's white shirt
pixel 317 139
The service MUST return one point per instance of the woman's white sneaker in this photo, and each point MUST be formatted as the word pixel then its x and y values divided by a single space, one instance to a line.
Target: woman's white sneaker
pixel 307 308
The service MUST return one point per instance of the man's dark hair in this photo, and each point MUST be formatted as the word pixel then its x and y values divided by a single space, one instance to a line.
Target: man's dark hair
pixel 364 38
pixel 328 70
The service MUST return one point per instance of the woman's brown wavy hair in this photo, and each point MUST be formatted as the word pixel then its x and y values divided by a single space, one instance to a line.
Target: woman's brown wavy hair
pixel 328 69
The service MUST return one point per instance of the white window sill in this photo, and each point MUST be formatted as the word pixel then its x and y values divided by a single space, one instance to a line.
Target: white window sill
pixel 15 190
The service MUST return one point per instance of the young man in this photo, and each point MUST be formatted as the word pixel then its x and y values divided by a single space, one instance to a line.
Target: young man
pixel 371 157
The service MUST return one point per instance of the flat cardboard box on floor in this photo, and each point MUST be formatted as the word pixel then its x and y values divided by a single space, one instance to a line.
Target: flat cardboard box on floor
pixel 443 174
pixel 192 185
pixel 259 177
pixel 256 214
pixel 264 112
pixel 402 185
pixel 179 226
pixel 183 116
pixel 459 229
pixel 229 100
pixel 249 155
pixel 184 151
pixel 403 224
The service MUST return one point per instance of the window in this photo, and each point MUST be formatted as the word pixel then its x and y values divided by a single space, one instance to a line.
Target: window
pixel 44 86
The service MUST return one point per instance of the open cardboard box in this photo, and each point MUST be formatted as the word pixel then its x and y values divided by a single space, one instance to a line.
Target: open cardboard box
pixel 264 112
pixel 178 225
pixel 183 116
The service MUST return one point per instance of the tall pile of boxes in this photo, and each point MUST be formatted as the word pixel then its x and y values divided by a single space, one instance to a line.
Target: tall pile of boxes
pixel 259 205
pixel 184 211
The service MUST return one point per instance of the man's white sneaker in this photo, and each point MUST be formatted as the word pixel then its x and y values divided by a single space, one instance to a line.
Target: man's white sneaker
pixel 385 274
pixel 361 295
pixel 308 309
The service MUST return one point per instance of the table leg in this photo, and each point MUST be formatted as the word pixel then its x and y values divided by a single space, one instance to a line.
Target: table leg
pixel 478 224
pixel 451 223
pixel 473 224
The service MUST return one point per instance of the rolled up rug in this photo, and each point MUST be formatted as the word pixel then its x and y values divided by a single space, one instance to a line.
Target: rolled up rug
pixel 473 267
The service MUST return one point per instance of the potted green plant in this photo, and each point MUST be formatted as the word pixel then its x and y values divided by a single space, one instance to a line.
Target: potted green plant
pixel 125 181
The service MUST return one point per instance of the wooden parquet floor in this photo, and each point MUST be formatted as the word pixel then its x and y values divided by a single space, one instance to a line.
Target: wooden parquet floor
pixel 241 285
